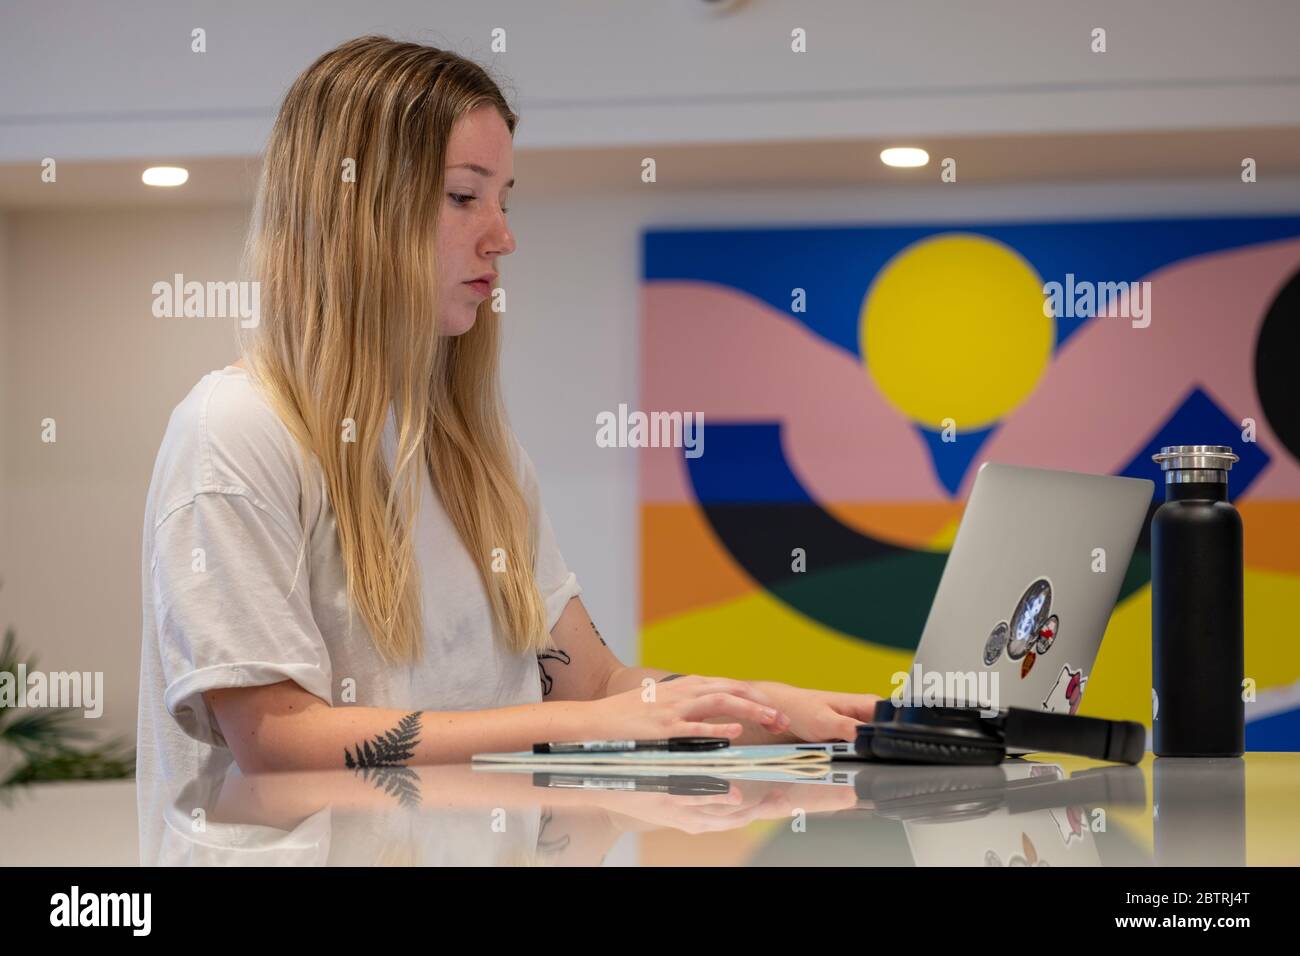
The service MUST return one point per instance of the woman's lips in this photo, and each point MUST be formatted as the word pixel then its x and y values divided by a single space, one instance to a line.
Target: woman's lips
pixel 481 286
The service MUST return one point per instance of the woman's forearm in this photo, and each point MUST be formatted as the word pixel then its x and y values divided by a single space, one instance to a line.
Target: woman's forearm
pixel 271 735
pixel 632 678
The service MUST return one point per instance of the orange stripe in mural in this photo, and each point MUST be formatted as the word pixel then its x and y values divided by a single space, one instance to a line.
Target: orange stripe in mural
pixel 1270 535
pixel 683 567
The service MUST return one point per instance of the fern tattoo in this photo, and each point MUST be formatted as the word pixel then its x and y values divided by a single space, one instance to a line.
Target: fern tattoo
pixel 392 749
pixel 400 782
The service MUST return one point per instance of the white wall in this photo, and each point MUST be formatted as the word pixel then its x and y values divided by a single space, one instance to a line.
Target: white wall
pixel 635 71
pixel 82 348
pixel 80 345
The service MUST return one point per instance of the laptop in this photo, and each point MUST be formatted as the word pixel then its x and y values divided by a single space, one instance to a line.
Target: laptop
pixel 1027 591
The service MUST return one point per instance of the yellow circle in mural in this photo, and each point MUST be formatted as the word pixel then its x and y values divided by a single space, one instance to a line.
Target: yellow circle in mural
pixel 953 328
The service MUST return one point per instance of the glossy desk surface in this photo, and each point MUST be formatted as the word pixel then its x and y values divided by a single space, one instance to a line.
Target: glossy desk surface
pixel 1044 810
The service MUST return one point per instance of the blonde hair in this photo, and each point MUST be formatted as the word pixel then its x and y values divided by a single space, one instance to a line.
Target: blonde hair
pixel 348 325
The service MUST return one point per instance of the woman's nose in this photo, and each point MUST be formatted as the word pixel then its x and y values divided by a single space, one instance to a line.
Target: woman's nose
pixel 499 240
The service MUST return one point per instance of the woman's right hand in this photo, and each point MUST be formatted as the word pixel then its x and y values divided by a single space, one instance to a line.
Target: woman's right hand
pixel 682 707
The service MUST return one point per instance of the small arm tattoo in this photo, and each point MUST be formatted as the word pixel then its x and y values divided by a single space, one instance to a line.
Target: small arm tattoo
pixel 386 749
pixel 554 654
pixel 597 630
pixel 671 677
pixel 392 749
pixel 382 759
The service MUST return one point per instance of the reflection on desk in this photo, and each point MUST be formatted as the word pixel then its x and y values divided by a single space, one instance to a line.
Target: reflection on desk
pixel 1041 811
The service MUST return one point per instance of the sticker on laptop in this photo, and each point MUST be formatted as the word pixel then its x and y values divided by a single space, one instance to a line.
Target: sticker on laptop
pixel 1066 693
pixel 1031 631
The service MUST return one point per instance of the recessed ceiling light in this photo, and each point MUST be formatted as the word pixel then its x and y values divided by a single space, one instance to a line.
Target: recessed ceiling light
pixel 904 156
pixel 165 176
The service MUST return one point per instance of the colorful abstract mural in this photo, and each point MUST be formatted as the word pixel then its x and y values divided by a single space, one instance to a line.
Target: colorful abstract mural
pixel 831 363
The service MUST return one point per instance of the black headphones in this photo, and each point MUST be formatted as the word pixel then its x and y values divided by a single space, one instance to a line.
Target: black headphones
pixel 963 736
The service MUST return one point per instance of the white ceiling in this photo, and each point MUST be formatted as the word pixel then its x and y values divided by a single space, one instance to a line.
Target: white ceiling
pixel 549 173
pixel 85 79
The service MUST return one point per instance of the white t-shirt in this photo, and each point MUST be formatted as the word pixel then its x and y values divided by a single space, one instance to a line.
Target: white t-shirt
pixel 245 611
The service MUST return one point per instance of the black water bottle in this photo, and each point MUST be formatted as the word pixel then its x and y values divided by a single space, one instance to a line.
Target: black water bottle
pixel 1197 640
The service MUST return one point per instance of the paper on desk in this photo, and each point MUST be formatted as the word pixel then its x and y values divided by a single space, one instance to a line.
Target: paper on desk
pixel 757 756
pixel 816 772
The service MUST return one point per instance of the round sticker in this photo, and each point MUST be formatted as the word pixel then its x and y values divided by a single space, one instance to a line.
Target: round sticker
pixel 1028 618
pixel 996 642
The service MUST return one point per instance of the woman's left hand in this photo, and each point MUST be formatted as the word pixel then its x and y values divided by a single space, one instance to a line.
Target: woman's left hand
pixel 821 715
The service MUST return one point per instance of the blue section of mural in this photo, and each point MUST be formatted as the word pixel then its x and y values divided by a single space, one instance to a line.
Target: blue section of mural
pixel 746 462
pixel 824 261
pixel 1200 421
pixel 1276 732
pixel 745 465
pixel 952 458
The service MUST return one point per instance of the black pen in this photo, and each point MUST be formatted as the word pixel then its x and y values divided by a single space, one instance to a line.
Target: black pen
pixel 677 784
pixel 627 746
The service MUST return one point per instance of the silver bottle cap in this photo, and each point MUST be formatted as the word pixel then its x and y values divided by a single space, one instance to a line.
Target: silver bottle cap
pixel 1195 463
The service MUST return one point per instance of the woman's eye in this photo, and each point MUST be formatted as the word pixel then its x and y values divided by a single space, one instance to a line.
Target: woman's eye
pixel 462 198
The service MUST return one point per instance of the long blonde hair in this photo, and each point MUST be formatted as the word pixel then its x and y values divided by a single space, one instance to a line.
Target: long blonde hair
pixel 348 305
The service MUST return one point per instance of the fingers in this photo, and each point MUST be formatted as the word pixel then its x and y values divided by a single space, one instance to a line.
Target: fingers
pixel 732 796
pixel 860 706
pixel 754 704
pixel 721 704
pixel 712 685
pixel 830 725
pixel 844 728
pixel 689 729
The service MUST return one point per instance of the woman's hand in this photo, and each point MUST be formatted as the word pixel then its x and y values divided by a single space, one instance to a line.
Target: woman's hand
pixel 743 803
pixel 820 716
pixel 682 707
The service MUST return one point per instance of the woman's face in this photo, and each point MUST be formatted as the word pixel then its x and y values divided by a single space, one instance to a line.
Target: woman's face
pixel 472 232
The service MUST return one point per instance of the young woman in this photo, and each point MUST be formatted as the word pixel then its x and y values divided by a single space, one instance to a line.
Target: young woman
pixel 346 557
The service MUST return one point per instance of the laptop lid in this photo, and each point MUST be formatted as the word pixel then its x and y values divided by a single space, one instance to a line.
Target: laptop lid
pixel 1029 586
